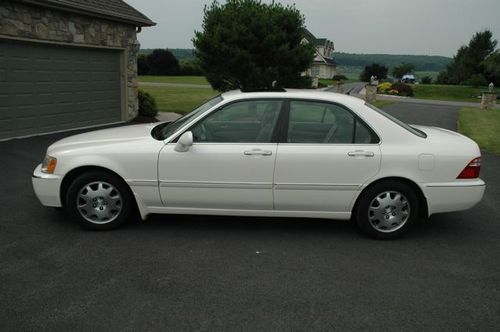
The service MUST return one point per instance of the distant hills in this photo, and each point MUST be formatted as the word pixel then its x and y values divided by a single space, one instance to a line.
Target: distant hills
pixel 421 62
pixel 432 63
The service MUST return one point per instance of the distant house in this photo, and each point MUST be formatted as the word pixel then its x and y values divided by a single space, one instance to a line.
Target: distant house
pixel 323 65
pixel 67 64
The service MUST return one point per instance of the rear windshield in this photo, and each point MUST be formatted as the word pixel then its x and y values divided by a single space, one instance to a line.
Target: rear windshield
pixel 406 126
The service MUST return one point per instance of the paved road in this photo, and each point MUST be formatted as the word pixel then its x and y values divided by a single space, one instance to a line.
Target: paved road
pixel 182 273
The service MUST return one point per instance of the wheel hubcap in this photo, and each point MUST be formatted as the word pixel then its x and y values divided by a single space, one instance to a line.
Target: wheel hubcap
pixel 99 202
pixel 389 211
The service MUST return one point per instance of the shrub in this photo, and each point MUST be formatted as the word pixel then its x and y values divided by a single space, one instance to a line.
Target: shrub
pixel 339 77
pixel 404 89
pixel 476 80
pixel 147 104
pixel 384 87
pixel 426 80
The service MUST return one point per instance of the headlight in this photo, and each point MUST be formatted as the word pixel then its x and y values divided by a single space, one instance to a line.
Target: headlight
pixel 49 164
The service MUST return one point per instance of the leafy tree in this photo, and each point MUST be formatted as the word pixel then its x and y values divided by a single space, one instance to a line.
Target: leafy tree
pixel 492 68
pixel 469 60
pixel 249 45
pixel 162 62
pixel 373 70
pixel 403 69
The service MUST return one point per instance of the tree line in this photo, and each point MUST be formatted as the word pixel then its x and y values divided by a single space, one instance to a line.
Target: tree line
pixel 420 62
pixel 164 62
pixel 477 63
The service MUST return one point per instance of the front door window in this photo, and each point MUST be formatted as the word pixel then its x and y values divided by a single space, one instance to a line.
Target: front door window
pixel 251 121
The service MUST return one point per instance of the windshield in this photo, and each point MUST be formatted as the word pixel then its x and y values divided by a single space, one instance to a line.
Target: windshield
pixel 406 126
pixel 164 130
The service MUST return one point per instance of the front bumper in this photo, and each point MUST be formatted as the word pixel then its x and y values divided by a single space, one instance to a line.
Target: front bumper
pixel 47 187
pixel 455 196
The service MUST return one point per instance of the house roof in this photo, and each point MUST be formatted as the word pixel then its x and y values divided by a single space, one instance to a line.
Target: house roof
pixel 309 36
pixel 116 10
pixel 321 41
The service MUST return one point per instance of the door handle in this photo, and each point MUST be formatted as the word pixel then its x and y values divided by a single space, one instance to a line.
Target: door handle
pixel 258 153
pixel 359 153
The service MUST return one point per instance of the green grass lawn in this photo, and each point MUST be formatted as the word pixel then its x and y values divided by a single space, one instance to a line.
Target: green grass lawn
pixel 447 92
pixel 179 99
pixel 482 126
pixel 174 79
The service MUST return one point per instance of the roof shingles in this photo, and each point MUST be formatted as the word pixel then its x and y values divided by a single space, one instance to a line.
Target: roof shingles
pixel 112 9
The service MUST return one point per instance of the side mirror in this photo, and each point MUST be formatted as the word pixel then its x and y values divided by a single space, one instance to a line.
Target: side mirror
pixel 184 142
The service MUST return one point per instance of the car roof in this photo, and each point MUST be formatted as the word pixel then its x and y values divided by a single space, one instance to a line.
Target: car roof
pixel 294 94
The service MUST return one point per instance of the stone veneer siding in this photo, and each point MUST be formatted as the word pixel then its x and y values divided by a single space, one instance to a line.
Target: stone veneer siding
pixel 39 23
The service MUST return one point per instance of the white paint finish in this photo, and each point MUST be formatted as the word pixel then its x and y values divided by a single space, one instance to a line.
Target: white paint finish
pixel 309 165
pixel 219 175
pixel 453 197
pixel 253 213
pixel 426 162
pixel 46 187
pixel 292 180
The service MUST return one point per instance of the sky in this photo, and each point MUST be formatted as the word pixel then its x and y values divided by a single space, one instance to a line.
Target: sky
pixel 426 27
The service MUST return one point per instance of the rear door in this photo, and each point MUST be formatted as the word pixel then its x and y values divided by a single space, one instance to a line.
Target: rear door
pixel 326 153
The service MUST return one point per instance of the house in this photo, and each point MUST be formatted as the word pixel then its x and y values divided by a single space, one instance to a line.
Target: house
pixel 323 64
pixel 67 64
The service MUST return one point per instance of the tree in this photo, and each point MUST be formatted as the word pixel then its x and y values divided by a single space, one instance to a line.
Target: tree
pixel 251 45
pixel 162 62
pixel 373 70
pixel 469 62
pixel 403 69
pixel 142 65
pixel 492 68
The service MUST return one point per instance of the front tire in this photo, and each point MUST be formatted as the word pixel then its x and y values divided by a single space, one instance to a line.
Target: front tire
pixel 387 210
pixel 99 201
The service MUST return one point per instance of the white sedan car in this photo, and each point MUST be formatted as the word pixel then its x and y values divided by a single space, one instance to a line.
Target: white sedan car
pixel 289 154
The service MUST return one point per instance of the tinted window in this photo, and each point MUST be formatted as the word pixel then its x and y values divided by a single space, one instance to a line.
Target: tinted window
pixel 164 130
pixel 318 122
pixel 245 121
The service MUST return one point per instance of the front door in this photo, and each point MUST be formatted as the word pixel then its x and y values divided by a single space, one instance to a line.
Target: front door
pixel 327 154
pixel 230 164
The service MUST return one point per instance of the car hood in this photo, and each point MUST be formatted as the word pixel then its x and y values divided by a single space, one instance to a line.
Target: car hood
pixel 104 136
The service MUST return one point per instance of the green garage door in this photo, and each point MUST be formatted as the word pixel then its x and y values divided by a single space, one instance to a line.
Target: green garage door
pixel 46 88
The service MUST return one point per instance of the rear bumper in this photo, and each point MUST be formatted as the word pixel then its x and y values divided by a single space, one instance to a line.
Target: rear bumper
pixel 453 196
pixel 46 187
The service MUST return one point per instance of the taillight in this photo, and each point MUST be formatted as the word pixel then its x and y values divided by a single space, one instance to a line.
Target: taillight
pixel 471 171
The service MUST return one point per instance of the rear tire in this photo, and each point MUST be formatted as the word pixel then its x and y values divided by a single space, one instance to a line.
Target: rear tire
pixel 387 210
pixel 99 201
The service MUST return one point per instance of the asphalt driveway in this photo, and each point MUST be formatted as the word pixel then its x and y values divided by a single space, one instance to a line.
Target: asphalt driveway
pixel 181 273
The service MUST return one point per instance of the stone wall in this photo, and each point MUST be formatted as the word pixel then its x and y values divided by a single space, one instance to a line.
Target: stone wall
pixel 38 23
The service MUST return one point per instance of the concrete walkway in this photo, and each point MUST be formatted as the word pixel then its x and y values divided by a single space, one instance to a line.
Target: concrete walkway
pixel 167 116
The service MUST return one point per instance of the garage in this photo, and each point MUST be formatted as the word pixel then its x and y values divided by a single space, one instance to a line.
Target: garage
pixel 67 64
pixel 46 88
